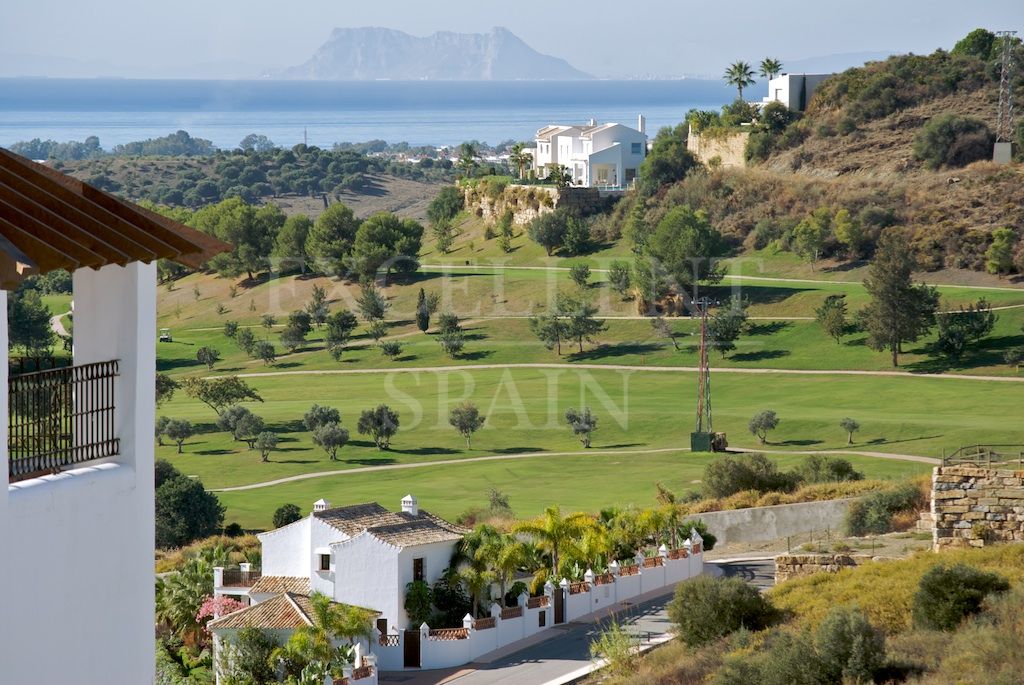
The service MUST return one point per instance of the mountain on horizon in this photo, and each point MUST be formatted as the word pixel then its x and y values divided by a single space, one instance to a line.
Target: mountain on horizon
pixel 373 53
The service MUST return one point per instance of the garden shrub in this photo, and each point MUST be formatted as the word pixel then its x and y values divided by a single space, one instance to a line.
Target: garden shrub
pixel 849 648
pixel 947 595
pixel 706 608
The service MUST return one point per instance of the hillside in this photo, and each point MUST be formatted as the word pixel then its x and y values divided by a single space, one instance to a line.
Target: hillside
pixel 371 53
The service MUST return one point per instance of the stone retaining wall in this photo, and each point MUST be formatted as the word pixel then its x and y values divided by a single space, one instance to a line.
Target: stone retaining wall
pixel 728 148
pixel 797 565
pixel 529 202
pixel 974 506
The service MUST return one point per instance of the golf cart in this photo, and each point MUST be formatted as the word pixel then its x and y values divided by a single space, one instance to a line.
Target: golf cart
pixel 165 335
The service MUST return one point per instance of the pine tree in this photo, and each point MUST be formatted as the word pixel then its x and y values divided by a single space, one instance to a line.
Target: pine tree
pixel 899 311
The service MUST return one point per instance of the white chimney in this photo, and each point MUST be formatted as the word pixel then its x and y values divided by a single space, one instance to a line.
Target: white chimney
pixel 321 505
pixel 410 506
pixel 592 122
pixel 641 123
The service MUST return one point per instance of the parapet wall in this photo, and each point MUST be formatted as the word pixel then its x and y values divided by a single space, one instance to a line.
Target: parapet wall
pixel 974 506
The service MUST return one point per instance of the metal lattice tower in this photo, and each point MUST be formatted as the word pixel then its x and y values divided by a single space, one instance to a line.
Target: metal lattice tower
pixel 1004 121
pixel 704 377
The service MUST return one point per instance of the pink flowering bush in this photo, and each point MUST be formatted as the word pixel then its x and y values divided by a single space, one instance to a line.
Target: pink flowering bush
pixel 217 606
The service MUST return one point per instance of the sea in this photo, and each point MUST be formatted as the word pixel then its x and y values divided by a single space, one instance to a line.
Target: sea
pixel 323 113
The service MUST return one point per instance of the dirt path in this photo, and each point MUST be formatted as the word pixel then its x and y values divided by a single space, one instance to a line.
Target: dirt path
pixel 624 367
pixel 58 326
pixel 531 455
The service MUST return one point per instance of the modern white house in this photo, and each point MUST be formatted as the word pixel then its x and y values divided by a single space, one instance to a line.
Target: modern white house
pixel 596 155
pixel 794 90
pixel 76 507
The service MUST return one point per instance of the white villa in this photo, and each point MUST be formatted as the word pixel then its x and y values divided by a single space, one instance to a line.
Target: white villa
pixel 76 509
pixel 596 155
pixel 365 555
pixel 793 90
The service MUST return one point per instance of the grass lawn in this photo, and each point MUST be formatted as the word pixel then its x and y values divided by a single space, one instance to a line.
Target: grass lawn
pixel 576 483
pixel 636 410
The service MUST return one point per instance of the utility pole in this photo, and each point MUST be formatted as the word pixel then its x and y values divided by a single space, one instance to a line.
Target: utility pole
pixel 1003 152
pixel 704 424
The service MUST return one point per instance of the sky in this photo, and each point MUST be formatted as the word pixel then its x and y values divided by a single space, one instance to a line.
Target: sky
pixel 607 38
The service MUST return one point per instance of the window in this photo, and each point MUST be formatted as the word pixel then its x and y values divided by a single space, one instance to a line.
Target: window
pixel 417 569
pixel 325 562
pixel 542 618
pixel 636 148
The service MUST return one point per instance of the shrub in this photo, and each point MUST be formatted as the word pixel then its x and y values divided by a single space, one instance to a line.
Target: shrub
pixel 823 469
pixel 234 530
pixel 945 596
pixel 616 645
pixel 706 608
pixel 873 514
pixel 849 648
pixel 729 474
pixel 954 141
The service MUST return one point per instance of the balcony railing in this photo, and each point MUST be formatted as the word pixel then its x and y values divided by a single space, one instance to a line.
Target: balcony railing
pixel 60 417
pixel 234 577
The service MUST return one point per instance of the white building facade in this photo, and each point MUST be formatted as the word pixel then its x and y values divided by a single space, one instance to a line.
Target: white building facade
pixel 794 90
pixel 76 507
pixel 596 155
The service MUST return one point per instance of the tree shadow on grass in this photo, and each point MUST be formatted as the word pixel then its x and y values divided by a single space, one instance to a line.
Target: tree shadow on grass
pixel 381 461
pixel 294 461
pixel 756 294
pixel 286 365
pixel 623 349
pixel 798 443
pixel 213 452
pixel 406 358
pixel 988 352
pixel 288 426
pixel 760 355
pixel 768 328
pixel 883 441
pixel 425 451
pixel 517 450
pixel 475 355
pixel 621 445
pixel 172 364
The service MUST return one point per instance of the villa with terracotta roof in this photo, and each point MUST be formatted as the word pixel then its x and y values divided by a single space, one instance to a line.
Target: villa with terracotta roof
pixel 76 506
pixel 596 155
pixel 362 555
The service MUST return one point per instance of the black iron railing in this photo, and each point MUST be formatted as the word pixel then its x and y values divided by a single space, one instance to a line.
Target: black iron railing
pixel 60 417
pixel 234 577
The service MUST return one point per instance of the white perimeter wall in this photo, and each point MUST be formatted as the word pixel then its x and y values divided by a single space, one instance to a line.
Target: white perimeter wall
pixel 78 596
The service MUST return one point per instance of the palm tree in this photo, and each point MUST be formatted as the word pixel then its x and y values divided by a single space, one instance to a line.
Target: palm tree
pixel 468 155
pixel 519 158
pixel 314 644
pixel 739 74
pixel 555 533
pixel 770 68
pixel 179 597
pixel 504 555
pixel 470 559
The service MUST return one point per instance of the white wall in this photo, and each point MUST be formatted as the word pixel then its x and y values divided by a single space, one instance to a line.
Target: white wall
pixel 286 550
pixel 366 575
pixel 436 558
pixel 79 545
pixel 787 89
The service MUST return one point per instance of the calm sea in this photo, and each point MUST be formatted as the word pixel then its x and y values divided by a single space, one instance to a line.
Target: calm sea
pixel 418 112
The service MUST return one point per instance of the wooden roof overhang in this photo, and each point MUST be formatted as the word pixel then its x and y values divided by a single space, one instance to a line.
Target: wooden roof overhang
pixel 49 221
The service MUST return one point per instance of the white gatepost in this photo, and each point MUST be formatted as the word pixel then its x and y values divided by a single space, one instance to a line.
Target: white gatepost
pixel 468 622
pixel 689 557
pixel 495 611
pixel 564 589
pixel 663 551
pixel 613 568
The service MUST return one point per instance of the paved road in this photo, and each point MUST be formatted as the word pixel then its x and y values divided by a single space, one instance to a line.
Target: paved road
pixel 568 651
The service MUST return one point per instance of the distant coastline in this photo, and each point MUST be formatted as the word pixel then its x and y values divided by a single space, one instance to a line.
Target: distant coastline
pixel 417 112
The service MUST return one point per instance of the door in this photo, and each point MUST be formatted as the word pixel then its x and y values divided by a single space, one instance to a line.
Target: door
pixel 559 597
pixel 382 626
pixel 412 649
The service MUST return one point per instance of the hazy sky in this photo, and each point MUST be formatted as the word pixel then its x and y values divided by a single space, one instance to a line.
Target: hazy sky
pixel 603 37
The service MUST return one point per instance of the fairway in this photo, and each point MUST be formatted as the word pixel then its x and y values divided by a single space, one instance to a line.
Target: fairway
pixel 576 483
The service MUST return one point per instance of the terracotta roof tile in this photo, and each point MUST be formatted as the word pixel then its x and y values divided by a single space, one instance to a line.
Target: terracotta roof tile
pixel 394 527
pixel 268 585
pixel 288 610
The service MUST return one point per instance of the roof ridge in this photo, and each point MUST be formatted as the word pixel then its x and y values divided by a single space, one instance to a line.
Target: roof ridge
pixel 302 613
